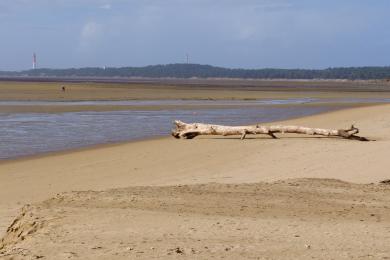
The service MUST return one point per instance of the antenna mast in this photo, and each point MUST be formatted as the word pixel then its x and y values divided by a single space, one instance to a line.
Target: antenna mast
pixel 34 64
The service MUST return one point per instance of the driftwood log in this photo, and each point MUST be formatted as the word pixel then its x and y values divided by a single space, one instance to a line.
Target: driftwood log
pixel 189 131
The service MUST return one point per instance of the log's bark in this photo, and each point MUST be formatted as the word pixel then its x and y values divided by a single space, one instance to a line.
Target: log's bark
pixel 189 131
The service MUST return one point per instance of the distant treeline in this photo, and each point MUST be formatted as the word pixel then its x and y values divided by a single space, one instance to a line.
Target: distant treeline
pixel 207 71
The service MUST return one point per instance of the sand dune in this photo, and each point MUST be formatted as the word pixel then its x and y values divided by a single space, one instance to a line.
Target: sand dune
pixel 287 219
pixel 299 218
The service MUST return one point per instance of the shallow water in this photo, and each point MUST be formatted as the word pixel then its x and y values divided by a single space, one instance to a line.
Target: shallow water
pixel 196 102
pixel 159 102
pixel 34 133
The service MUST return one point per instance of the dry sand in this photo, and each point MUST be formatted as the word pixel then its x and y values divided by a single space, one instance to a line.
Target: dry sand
pixel 207 198
pixel 294 219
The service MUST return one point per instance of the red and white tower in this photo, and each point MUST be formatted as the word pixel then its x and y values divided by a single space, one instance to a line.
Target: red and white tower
pixel 34 61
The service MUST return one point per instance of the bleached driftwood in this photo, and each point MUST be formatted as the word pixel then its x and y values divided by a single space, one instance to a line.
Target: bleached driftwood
pixel 189 131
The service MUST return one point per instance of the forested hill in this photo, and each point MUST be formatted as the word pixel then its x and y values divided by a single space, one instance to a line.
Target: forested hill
pixel 207 71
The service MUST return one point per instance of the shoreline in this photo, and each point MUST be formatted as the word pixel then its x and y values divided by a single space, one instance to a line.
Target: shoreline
pixel 53 109
pixel 79 149
pixel 150 138
pixel 103 146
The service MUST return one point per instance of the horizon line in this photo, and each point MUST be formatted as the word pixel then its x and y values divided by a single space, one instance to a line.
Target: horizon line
pixel 197 64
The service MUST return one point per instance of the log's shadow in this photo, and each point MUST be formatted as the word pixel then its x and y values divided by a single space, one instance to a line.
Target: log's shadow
pixel 265 138
pixel 283 137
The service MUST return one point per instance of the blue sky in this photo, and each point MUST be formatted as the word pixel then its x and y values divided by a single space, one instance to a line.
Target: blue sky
pixel 229 33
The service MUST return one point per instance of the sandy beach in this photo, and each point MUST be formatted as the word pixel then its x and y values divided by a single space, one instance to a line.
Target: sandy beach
pixel 194 130
pixel 297 196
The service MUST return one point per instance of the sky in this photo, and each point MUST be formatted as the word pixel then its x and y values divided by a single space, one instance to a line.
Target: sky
pixel 229 33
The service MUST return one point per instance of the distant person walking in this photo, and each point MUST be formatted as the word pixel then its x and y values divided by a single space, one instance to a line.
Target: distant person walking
pixel 63 88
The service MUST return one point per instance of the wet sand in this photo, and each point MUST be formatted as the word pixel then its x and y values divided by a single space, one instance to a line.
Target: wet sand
pixel 205 90
pixel 137 91
pixel 241 199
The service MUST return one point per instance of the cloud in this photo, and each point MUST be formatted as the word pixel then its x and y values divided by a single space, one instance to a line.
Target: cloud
pixel 248 33
pixel 90 29
pixel 90 34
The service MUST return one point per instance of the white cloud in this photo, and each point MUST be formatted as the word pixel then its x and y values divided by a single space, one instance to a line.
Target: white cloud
pixel 90 34
pixel 90 30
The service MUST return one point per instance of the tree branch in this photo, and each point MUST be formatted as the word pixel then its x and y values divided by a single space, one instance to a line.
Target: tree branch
pixel 190 131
